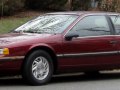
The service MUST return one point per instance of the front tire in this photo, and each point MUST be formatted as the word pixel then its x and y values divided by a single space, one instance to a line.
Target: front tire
pixel 38 68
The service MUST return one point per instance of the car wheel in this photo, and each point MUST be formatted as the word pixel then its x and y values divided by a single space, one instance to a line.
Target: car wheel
pixel 38 68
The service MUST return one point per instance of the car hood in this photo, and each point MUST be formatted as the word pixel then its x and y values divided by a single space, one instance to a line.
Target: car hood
pixel 17 37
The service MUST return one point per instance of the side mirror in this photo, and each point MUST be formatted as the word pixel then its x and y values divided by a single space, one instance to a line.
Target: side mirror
pixel 71 36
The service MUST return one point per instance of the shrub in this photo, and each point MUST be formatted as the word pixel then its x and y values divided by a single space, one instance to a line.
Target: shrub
pixel 37 4
pixel 8 7
pixel 110 5
pixel 81 4
pixel 43 4
pixel 58 5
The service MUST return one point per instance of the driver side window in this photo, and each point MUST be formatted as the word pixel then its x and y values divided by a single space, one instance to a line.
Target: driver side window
pixel 91 26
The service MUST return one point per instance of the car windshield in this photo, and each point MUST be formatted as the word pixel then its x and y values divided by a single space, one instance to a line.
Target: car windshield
pixel 47 24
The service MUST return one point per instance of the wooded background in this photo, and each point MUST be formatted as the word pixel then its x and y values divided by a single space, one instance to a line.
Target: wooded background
pixel 9 7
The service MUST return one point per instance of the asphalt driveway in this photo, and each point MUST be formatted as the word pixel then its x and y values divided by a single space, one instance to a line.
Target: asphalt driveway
pixel 104 81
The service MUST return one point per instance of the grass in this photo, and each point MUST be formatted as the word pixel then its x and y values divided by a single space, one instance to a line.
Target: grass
pixel 8 24
pixel 11 22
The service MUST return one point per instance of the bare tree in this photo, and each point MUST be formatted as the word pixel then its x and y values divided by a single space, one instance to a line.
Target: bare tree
pixel 70 4
pixel 2 7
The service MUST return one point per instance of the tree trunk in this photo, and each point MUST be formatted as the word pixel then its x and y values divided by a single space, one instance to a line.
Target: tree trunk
pixel 2 7
pixel 70 4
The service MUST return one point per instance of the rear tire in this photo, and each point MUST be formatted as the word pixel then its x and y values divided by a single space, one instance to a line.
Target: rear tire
pixel 38 68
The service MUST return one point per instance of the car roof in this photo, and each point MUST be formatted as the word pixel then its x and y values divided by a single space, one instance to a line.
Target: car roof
pixel 84 12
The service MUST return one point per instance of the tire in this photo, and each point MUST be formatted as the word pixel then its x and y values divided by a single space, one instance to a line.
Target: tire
pixel 92 73
pixel 38 68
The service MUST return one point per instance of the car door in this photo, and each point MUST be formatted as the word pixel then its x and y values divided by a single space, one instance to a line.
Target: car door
pixel 94 48
pixel 116 22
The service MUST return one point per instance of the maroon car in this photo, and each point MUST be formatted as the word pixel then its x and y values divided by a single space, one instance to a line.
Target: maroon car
pixel 62 42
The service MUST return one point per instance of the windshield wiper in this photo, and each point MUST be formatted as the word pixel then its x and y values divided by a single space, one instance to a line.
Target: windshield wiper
pixel 17 31
pixel 29 32
pixel 36 31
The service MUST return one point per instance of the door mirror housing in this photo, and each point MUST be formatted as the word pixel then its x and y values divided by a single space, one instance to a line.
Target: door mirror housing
pixel 71 36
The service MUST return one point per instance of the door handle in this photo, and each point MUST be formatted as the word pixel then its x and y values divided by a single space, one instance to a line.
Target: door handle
pixel 113 42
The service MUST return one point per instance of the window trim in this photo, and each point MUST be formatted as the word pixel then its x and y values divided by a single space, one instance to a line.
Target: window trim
pixel 109 16
pixel 51 15
pixel 112 31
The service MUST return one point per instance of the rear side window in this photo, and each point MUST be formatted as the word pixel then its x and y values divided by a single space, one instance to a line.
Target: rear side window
pixel 116 22
pixel 92 26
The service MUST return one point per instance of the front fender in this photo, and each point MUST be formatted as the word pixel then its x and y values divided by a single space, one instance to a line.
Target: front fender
pixel 40 45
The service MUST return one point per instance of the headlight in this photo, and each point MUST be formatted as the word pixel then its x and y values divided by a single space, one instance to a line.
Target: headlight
pixel 4 51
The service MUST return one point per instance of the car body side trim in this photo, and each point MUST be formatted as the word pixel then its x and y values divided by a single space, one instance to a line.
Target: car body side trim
pixel 97 36
pixel 14 58
pixel 87 54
